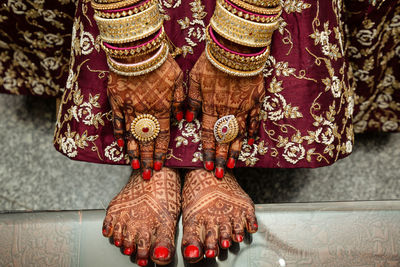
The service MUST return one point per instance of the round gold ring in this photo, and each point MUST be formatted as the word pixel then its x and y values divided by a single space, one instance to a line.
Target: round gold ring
pixel 226 129
pixel 145 127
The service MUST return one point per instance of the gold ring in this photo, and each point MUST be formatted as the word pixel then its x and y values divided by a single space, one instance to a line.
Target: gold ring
pixel 145 127
pixel 226 129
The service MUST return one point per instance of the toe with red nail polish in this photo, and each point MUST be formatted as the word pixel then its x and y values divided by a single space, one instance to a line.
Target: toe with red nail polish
pixel 117 243
pixel 210 253
pixel 225 244
pixel 192 252
pixel 231 163
pixel 135 164
pixel 219 172
pixel 239 238
pixel 142 262
pixel 128 251
pixel 161 253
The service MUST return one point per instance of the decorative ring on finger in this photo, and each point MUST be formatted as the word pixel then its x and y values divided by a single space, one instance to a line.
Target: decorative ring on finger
pixel 226 129
pixel 145 127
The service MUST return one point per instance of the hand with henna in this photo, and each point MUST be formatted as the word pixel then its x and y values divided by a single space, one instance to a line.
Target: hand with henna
pixel 215 212
pixel 156 93
pixel 218 94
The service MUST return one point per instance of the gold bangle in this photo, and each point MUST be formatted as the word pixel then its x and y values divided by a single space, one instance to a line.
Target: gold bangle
pixel 139 51
pixel 140 68
pixel 249 16
pixel 241 31
pixel 261 58
pixel 107 5
pixel 258 10
pixel 124 13
pixel 229 70
pixel 130 28
pixel 263 3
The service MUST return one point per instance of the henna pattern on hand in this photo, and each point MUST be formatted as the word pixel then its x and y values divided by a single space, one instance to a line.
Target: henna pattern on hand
pixel 155 93
pixel 215 211
pixel 143 216
pixel 219 94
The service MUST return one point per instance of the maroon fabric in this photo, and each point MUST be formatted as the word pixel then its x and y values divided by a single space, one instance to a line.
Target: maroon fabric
pixel 306 113
pixel 35 40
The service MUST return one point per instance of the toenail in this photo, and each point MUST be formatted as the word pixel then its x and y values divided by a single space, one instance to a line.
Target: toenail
pixel 120 142
pixel 255 225
pixel 142 262
pixel 179 115
pixel 226 244
pixel 209 165
pixel 219 172
pixel 104 231
pixel 189 116
pixel 239 238
pixel 157 165
pixel 128 251
pixel 117 243
pixel 161 253
pixel 135 164
pixel 210 253
pixel 231 163
pixel 251 141
pixel 192 251
pixel 146 174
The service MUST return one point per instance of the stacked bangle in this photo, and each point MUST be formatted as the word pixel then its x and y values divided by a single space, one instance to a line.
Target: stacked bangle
pixel 123 12
pixel 140 68
pixel 263 3
pixel 248 15
pixel 139 50
pixel 239 30
pixel 112 4
pixel 130 28
pixel 256 9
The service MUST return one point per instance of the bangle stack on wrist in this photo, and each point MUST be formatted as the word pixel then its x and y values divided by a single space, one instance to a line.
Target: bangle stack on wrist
pixel 122 22
pixel 248 23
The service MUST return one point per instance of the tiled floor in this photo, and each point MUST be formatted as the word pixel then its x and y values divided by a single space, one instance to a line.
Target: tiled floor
pixel 33 175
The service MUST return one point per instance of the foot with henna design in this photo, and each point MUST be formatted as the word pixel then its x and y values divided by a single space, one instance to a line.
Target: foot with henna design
pixel 142 218
pixel 216 213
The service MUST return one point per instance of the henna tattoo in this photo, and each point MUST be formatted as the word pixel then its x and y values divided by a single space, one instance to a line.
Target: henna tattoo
pixel 155 93
pixel 143 216
pixel 214 211
pixel 219 94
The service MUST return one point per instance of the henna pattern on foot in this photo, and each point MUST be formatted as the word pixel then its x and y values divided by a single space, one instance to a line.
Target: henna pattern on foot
pixel 215 213
pixel 142 217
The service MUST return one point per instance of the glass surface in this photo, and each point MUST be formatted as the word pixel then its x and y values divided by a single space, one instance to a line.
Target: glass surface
pixel 314 234
pixel 34 176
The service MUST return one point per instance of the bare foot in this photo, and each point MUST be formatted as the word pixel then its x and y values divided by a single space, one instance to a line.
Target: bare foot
pixel 143 217
pixel 215 213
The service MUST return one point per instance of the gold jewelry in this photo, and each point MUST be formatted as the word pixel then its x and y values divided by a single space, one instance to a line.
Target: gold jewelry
pixel 255 9
pixel 248 59
pixel 136 51
pixel 125 12
pixel 130 28
pixel 145 127
pixel 226 129
pixel 241 31
pixel 251 16
pixel 140 68
pixel 112 4
pixel 229 70
pixel 263 3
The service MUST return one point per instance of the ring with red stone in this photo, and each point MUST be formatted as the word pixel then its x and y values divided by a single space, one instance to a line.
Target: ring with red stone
pixel 145 127
pixel 226 129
